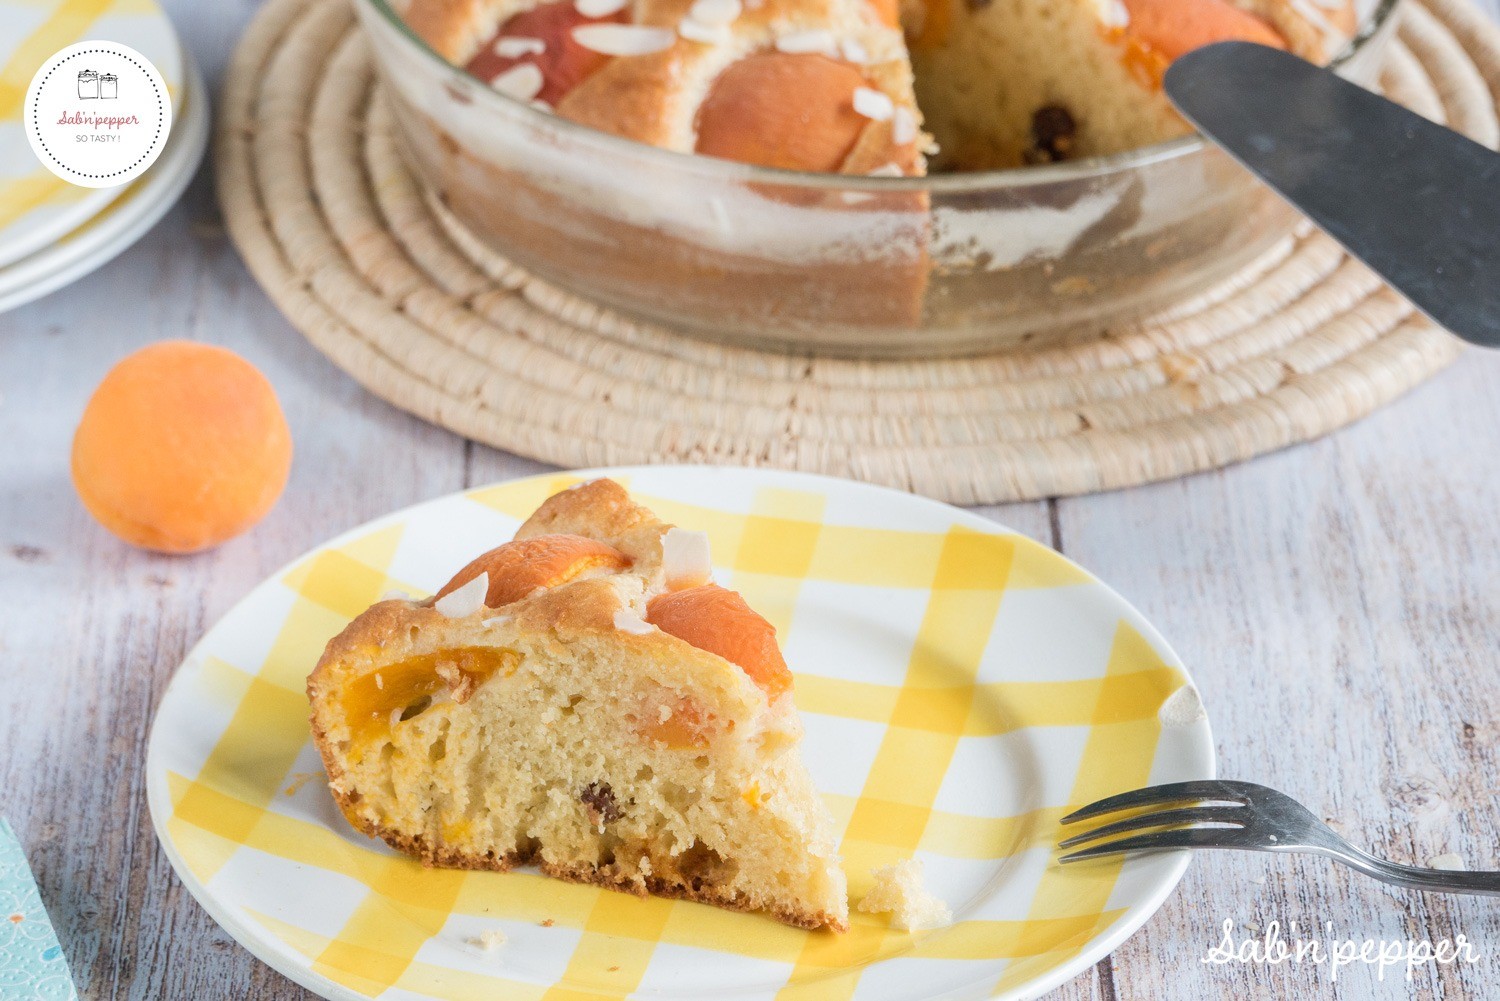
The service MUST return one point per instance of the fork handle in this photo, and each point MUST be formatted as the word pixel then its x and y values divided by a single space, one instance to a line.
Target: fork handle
pixel 1432 880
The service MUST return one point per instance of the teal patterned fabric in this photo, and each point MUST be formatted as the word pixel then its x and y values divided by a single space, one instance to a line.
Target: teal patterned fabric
pixel 32 967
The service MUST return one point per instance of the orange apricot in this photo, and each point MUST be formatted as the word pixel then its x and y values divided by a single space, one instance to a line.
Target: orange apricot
pixel 518 568
pixel 782 109
pixel 715 619
pixel 182 447
pixel 563 63
pixel 1161 30
pixel 688 725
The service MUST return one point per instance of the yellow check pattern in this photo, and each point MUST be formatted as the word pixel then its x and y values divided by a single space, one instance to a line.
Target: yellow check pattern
pixel 382 926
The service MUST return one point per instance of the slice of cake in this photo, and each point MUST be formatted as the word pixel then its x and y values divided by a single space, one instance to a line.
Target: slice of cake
pixel 583 698
pixel 1010 82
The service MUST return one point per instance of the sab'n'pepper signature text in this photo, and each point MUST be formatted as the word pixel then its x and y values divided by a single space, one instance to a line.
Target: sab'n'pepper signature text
pixel 1334 953
pixel 98 121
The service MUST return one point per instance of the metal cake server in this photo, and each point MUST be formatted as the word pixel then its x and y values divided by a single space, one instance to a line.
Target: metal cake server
pixel 1417 202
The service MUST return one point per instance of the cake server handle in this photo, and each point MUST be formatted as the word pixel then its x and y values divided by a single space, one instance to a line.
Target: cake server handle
pixel 1417 202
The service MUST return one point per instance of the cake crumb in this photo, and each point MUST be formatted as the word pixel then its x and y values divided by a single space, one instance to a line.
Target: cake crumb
pixel 548 922
pixel 490 939
pixel 299 779
pixel 1183 707
pixel 899 891
pixel 460 682
pixel 1450 861
pixel 614 969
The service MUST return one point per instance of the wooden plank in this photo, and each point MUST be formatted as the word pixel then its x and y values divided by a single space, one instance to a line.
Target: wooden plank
pixel 90 629
pixel 1337 605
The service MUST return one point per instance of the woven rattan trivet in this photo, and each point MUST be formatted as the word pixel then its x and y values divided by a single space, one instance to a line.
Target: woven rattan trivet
pixel 337 230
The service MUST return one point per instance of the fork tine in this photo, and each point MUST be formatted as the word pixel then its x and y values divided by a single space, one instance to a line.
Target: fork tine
pixel 1198 837
pixel 1161 818
pixel 1161 795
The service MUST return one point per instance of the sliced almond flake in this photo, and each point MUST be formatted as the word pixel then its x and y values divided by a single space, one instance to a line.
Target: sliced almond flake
pixel 873 104
pixel 523 81
pixel 464 601
pixel 903 127
pixel 816 40
pixel 599 8
pixel 856 197
pixel 1113 14
pixel 542 106
pixel 685 558
pixel 887 170
pixel 715 11
pixel 624 39
pixel 495 620
pixel 517 46
pixel 709 34
pixel 1332 34
pixel 853 51
pixel 628 622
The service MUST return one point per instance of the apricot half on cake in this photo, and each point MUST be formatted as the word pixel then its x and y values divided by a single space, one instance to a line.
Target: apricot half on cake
pixel 584 699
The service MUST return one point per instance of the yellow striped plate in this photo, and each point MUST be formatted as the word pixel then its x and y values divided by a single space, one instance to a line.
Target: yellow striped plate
pixel 962 687
pixel 36 207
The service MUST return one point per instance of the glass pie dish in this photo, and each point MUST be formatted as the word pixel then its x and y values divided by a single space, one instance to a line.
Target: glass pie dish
pixel 832 263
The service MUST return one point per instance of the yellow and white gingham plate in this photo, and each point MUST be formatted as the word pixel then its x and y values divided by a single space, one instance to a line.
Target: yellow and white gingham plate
pixel 962 687
pixel 37 207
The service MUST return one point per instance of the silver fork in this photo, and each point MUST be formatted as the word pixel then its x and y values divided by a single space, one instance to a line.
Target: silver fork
pixel 1247 817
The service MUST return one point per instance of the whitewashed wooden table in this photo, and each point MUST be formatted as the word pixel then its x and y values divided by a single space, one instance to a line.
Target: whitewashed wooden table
pixel 1339 604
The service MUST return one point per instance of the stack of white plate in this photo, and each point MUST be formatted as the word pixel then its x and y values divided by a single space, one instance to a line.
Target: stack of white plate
pixel 53 232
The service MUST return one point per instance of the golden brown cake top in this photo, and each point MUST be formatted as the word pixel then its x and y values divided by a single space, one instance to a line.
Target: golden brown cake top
pixel 827 85
pixel 816 85
pixel 589 559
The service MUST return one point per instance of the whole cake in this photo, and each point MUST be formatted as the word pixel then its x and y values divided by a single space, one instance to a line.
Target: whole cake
pixel 863 86
pixel 584 698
